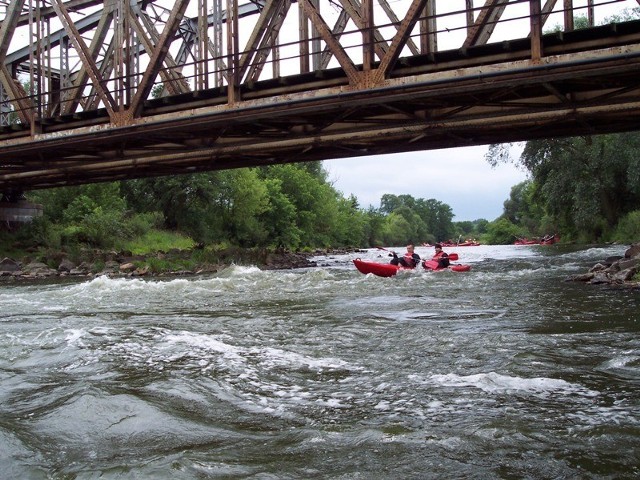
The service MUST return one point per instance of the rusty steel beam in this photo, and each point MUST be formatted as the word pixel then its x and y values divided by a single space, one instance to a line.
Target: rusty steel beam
pixel 71 97
pixel 336 48
pixel 489 16
pixel 22 106
pixel 359 88
pixel 353 8
pixel 88 62
pixel 173 81
pixel 223 157
pixel 158 56
pixel 400 39
pixel 263 39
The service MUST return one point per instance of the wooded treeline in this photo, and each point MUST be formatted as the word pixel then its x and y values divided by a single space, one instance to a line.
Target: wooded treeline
pixel 586 189
pixel 291 206
pixel 583 189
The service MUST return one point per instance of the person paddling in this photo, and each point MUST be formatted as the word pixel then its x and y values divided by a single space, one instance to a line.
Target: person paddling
pixel 441 257
pixel 408 260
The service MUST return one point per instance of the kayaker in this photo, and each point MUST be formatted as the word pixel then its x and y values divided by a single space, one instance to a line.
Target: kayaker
pixel 441 257
pixel 408 260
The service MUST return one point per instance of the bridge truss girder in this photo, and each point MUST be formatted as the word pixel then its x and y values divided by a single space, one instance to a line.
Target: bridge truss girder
pixel 347 78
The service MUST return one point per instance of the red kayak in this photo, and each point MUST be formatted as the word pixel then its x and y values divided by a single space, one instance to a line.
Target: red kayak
pixel 388 270
pixel 379 269
pixel 433 265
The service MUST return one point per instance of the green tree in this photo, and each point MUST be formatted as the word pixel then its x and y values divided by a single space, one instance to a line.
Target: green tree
pixel 580 186
pixel 586 184
pixel 185 202
pixel 352 225
pixel 390 203
pixel 443 227
pixel 375 228
pixel 55 201
pixel 430 219
pixel 502 232
pixel 279 219
pixel 212 207
pixel 94 214
pixel 315 201
pixel 240 201
pixel 521 208
pixel 397 230
pixel 628 228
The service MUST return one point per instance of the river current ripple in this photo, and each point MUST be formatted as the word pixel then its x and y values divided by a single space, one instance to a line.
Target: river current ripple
pixel 505 371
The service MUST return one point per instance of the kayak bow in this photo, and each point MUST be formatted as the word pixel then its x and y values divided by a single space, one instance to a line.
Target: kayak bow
pixel 379 269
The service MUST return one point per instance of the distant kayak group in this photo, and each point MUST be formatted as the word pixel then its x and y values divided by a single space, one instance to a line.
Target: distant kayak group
pixel 450 243
pixel 546 240
pixel 409 261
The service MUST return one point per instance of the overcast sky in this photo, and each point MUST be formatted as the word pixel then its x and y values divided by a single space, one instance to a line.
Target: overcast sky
pixel 459 177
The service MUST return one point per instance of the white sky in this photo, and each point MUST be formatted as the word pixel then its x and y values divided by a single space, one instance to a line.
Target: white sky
pixel 459 177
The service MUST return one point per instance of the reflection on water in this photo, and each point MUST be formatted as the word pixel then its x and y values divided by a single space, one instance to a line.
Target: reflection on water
pixel 506 371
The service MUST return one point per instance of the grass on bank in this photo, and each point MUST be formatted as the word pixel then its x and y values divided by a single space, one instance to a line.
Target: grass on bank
pixel 158 241
pixel 154 249
pixel 166 251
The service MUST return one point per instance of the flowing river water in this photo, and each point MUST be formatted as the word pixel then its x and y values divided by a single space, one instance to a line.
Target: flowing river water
pixel 506 371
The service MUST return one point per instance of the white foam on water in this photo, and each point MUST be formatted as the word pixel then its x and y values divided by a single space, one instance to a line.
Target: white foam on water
pixel 595 253
pixel 203 342
pixel 626 364
pixel 279 357
pixel 74 336
pixel 493 382
pixel 256 379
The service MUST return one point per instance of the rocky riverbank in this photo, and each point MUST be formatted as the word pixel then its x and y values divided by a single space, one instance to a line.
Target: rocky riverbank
pixel 619 270
pixel 114 264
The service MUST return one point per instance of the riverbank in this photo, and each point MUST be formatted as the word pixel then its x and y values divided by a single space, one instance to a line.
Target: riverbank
pixel 619 270
pixel 173 263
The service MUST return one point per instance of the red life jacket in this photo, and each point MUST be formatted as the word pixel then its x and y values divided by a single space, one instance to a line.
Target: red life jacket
pixel 410 260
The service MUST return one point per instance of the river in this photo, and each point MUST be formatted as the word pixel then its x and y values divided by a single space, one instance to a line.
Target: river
pixel 506 372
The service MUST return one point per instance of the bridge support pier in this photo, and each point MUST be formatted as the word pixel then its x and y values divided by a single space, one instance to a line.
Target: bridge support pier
pixel 15 210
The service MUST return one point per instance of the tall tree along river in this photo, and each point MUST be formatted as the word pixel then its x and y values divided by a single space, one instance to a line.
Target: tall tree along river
pixel 505 371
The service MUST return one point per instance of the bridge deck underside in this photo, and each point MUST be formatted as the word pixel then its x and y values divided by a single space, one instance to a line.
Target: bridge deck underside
pixel 587 83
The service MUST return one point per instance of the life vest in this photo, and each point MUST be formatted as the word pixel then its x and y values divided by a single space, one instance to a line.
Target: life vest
pixel 442 258
pixel 410 260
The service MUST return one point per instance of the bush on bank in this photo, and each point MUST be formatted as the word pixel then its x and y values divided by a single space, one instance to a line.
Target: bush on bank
pixel 628 228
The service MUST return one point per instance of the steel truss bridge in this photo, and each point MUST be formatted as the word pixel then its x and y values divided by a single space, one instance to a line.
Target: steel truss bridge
pixel 94 91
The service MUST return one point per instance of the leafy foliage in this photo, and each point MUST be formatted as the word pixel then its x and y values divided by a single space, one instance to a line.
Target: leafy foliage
pixel 90 214
pixel 628 229
pixel 586 184
pixel 502 232
pixel 428 220
pixel 281 206
pixel 580 187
